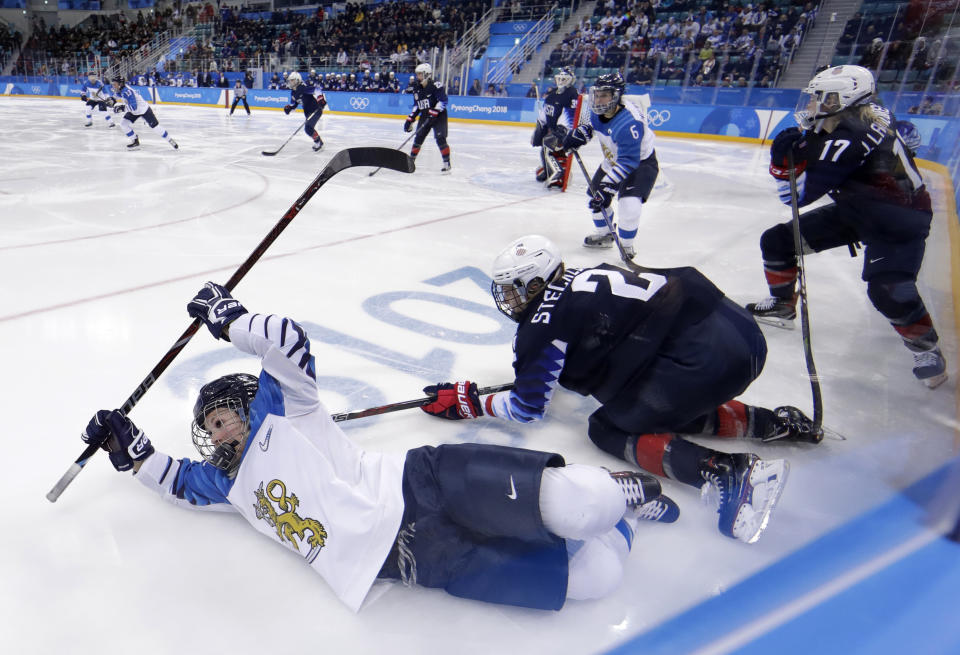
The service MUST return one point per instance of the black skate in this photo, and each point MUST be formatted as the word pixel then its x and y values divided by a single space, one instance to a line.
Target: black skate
pixel 317 144
pixel 774 311
pixel 445 168
pixel 88 124
pixel 598 240
pixel 173 143
pixel 638 488
pixel 790 424
pixel 134 144
pixel 745 489
pixel 661 509
pixel 930 367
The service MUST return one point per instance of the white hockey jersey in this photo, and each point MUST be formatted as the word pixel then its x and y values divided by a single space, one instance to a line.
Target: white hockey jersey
pixel 301 481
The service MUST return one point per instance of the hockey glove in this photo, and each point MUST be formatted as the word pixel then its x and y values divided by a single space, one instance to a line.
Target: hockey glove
pixel 537 139
pixel 454 400
pixel 578 137
pixel 117 434
pixel 288 108
pixel 321 101
pixel 408 125
pixel 119 108
pixel 604 196
pixel 214 305
pixel 83 96
pixel 785 143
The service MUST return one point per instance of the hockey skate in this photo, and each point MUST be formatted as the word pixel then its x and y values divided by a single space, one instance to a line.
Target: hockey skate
pixel 598 240
pixel 555 181
pixel 930 367
pixel 638 488
pixel 88 124
pixel 628 251
pixel 174 144
pixel 661 509
pixel 774 311
pixel 134 144
pixel 790 424
pixel 445 168
pixel 745 489
pixel 317 144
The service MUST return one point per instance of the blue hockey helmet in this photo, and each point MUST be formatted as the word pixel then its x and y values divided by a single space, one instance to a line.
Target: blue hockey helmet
pixel 221 419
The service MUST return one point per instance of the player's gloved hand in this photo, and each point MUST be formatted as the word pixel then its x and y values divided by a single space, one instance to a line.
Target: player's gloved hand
pixel 119 108
pixel 433 115
pixel 784 144
pixel 288 108
pixel 604 196
pixel 578 137
pixel 321 101
pixel 117 434
pixel 537 139
pixel 454 400
pixel 83 96
pixel 408 125
pixel 214 305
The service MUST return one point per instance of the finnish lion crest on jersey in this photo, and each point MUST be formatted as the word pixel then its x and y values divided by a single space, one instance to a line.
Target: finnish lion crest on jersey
pixel 288 524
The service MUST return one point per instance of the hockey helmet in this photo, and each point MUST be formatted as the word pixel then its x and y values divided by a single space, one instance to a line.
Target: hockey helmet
pixel 908 134
pixel 606 93
pixel 423 72
pixel 831 91
pixel 521 271
pixel 294 80
pixel 118 81
pixel 221 419
pixel 564 77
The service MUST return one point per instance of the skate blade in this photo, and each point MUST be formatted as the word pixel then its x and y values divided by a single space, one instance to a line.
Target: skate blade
pixel 767 479
pixel 936 380
pixel 782 323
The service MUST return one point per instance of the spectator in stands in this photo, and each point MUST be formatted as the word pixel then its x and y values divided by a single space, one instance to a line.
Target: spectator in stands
pixel 871 58
pixel 927 106
pixel 533 91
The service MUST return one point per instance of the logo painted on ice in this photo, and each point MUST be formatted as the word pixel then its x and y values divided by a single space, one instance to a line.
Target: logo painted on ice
pixel 359 102
pixel 657 117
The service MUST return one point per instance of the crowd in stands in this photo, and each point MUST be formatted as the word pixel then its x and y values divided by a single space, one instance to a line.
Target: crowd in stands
pixel 10 41
pixel 701 42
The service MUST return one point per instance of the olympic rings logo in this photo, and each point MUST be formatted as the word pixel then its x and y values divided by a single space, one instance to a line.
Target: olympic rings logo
pixel 359 102
pixel 519 27
pixel 658 117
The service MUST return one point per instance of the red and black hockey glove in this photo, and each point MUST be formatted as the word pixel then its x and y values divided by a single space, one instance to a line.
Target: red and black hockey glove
pixel 783 144
pixel 454 400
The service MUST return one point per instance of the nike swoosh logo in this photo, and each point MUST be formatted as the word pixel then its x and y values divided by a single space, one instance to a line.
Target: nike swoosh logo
pixel 513 490
pixel 266 440
pixel 875 260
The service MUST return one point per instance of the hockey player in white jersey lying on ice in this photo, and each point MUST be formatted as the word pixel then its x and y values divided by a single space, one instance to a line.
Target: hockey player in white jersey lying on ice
pixel 662 350
pixel 490 523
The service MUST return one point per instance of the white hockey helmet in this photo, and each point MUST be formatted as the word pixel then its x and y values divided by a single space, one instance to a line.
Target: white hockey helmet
pixel 294 80
pixel 831 91
pixel 521 271
pixel 423 72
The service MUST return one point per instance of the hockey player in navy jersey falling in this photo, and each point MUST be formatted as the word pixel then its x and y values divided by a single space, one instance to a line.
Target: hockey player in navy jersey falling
pixel 850 150
pixel 430 105
pixel 313 102
pixel 663 351
pixel 629 169
pixel 554 121
pixel 484 522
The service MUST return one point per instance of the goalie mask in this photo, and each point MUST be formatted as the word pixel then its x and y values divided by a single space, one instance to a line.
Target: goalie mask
pixel 221 420
pixel 831 91
pixel 564 78
pixel 521 271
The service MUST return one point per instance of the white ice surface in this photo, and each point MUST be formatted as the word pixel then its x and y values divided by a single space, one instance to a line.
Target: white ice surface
pixel 100 250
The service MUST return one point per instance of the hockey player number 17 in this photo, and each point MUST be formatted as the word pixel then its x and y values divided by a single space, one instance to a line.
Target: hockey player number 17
pixel 618 285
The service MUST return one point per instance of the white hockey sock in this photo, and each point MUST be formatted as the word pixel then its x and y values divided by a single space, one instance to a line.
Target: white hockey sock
pixel 629 210
pixel 596 565
pixel 579 502
pixel 159 130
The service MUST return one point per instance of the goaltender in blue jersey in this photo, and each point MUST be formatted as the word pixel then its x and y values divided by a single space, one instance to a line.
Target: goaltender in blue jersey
pixel 630 166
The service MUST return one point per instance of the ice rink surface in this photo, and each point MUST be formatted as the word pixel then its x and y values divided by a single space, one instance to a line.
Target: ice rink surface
pixel 101 249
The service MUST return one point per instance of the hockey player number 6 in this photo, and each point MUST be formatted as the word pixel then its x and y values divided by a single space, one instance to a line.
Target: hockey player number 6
pixel 619 286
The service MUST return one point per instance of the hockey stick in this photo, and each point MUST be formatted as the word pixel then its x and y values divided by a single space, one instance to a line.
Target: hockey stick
pixel 383 157
pixel 267 153
pixel 408 404
pixel 804 317
pixel 606 215
pixel 400 147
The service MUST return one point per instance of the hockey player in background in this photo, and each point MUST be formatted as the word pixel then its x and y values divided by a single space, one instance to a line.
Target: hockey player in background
pixel 663 351
pixel 95 95
pixel 239 95
pixel 629 169
pixel 554 121
pixel 850 151
pixel 430 104
pixel 484 522
pixel 313 102
pixel 126 99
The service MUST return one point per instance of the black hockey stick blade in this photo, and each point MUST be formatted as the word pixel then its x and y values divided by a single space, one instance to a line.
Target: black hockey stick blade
pixel 383 157
pixel 408 404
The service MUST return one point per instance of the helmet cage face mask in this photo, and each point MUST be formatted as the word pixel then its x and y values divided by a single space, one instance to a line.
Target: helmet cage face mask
pixel 521 272
pixel 564 78
pixel 228 400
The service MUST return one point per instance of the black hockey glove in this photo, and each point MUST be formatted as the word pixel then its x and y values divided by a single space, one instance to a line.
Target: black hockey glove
pixel 83 96
pixel 578 137
pixel 604 196
pixel 117 434
pixel 321 101
pixel 408 125
pixel 786 142
pixel 119 108
pixel 537 139
pixel 214 305
pixel 454 400
pixel 288 108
